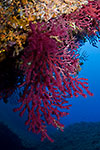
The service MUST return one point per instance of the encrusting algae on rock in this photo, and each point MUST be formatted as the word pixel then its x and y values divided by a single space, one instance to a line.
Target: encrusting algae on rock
pixel 16 15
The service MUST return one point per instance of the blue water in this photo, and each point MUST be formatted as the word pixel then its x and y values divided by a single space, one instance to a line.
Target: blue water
pixel 88 109
pixel 83 109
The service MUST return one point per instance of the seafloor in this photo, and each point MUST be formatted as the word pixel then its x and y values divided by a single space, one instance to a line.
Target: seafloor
pixel 79 136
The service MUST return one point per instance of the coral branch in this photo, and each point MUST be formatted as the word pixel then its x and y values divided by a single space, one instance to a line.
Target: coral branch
pixel 50 70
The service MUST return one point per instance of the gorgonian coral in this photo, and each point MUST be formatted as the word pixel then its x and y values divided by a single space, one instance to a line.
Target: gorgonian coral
pixel 50 64
pixel 86 19
pixel 50 70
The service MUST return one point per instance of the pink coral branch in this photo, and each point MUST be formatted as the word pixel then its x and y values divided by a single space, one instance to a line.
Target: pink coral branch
pixel 50 70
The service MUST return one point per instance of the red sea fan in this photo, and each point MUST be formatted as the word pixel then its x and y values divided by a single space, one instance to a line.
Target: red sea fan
pixel 86 19
pixel 50 77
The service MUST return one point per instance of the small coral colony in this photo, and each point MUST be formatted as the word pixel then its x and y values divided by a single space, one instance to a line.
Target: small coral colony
pixel 40 58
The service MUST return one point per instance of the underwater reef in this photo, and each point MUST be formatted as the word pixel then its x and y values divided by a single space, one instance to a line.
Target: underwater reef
pixel 9 140
pixel 44 58
pixel 78 136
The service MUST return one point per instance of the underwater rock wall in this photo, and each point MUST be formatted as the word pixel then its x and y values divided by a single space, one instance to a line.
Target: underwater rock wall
pixel 79 136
